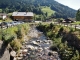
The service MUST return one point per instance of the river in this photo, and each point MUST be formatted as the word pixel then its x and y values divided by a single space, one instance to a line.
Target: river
pixel 38 47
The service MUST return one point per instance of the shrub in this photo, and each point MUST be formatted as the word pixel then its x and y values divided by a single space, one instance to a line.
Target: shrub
pixel 0 34
pixel 15 44
pixel 7 37
pixel 14 35
pixel 20 32
pixel 51 25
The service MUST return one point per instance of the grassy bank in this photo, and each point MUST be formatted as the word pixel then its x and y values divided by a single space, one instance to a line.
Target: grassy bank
pixel 78 22
pixel 14 35
pixel 65 39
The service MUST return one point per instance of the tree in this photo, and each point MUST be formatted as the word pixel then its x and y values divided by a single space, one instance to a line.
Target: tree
pixel 0 10
pixel 46 14
pixel 78 15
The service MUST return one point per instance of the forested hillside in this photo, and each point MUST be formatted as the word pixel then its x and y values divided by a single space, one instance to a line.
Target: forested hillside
pixel 61 11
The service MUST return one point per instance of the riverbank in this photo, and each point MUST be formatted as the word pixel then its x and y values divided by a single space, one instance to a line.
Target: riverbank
pixel 64 38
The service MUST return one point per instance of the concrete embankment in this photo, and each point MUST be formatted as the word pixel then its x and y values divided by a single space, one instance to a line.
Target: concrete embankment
pixel 4 52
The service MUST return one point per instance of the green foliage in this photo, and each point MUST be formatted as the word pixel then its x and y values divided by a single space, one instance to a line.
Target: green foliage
pixel 51 25
pixel 19 32
pixel 0 10
pixel 78 15
pixel 65 39
pixel 9 6
pixel 7 37
pixel 47 10
pixel 76 23
pixel 1 34
pixel 75 56
pixel 72 30
pixel 15 44
pixel 14 35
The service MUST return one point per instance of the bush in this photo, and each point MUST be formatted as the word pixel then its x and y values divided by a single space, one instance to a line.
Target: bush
pixel 20 33
pixel 51 25
pixel 14 35
pixel 7 37
pixel 15 44
pixel 0 34
pixel 67 40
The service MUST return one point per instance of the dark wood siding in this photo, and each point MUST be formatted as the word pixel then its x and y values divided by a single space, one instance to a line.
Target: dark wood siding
pixel 25 18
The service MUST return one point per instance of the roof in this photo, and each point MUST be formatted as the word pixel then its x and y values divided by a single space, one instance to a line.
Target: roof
pixel 30 14
pixel 70 19
pixel 2 14
pixel 22 14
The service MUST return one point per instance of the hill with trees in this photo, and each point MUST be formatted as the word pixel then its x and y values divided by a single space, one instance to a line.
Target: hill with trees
pixel 61 11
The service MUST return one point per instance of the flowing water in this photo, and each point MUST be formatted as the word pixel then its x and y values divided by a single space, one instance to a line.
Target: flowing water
pixel 37 48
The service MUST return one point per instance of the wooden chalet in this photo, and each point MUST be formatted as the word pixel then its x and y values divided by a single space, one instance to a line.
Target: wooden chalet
pixel 69 20
pixel 23 16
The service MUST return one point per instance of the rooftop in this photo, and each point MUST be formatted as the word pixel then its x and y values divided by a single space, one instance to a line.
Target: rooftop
pixel 1 14
pixel 22 14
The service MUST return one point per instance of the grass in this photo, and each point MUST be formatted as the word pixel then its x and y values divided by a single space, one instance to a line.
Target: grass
pixel 48 10
pixel 44 9
pixel 6 20
pixel 78 22
pixel 9 14
pixel 11 35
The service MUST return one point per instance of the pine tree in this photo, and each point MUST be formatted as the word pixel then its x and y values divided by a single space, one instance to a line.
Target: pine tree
pixel 78 15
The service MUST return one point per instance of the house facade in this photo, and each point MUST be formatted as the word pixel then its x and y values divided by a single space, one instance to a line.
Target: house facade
pixel 3 15
pixel 23 16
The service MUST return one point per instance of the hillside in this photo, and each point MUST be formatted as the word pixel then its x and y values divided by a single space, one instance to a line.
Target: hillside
pixel 61 11
pixel 48 10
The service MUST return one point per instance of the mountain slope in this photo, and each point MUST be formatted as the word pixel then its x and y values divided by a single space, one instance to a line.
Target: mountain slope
pixel 61 11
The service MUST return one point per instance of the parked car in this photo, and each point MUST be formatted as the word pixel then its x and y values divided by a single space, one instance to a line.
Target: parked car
pixel 21 22
pixel 4 24
pixel 14 23
pixel 9 24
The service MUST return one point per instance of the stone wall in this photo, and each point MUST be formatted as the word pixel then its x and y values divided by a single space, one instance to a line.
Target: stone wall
pixel 4 52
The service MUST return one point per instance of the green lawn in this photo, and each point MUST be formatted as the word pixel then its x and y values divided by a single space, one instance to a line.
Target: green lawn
pixel 78 22
pixel 10 13
pixel 48 10
pixel 6 20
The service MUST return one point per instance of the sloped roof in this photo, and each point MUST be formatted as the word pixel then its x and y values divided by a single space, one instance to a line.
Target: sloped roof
pixel 30 14
pixel 2 14
pixel 22 14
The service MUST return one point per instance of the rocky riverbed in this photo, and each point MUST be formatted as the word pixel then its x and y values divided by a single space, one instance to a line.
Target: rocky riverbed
pixel 37 47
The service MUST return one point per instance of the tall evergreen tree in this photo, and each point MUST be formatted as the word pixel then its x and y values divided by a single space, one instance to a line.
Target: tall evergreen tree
pixel 78 15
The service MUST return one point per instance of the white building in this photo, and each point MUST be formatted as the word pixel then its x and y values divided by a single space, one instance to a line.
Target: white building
pixel 3 15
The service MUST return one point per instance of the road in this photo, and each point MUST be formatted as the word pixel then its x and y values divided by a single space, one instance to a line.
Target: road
pixel 67 24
